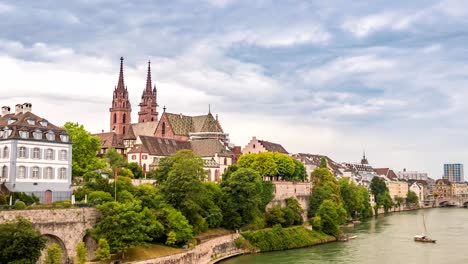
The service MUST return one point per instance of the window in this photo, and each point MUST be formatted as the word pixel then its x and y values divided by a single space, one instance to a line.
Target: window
pixel 6 152
pixel 144 157
pixel 225 161
pixel 7 132
pixel 24 134
pixel 62 174
pixel 22 152
pixel 49 173
pixel 49 154
pixel 4 171
pixel 43 123
pixel 253 145
pixel 163 128
pixel 115 118
pixel 64 138
pixel 123 130
pixel 50 136
pixel 37 134
pixel 21 172
pixel 35 173
pixel 1 133
pixel 124 118
pixel 31 122
pixel 144 167
pixel 36 153
pixel 133 157
pixel 63 155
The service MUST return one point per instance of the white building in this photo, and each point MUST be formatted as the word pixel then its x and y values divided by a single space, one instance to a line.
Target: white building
pixel 412 175
pixel 418 189
pixel 35 155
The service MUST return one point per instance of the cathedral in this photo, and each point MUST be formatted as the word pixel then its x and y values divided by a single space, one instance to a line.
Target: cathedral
pixel 154 136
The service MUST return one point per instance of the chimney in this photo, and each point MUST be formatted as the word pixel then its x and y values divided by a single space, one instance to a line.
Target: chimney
pixel 180 115
pixel 18 109
pixel 27 107
pixel 5 110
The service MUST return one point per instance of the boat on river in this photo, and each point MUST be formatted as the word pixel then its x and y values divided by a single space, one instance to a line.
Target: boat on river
pixel 423 237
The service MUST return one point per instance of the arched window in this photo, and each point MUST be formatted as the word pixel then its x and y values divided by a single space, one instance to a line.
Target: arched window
pixel 4 171
pixel 22 152
pixel 6 152
pixel 163 128
pixel 49 173
pixel 152 119
pixel 21 172
pixel 62 174
pixel 36 153
pixel 225 161
pixel 124 118
pixel 49 154
pixel 123 130
pixel 35 174
pixel 115 118
pixel 63 154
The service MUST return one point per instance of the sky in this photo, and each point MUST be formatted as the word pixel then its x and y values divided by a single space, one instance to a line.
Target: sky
pixel 334 77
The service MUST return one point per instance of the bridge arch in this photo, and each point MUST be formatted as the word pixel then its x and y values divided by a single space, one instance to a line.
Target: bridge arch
pixel 53 239
pixel 91 245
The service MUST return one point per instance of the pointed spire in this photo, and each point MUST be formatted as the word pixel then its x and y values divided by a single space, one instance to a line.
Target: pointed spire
pixel 148 79
pixel 120 84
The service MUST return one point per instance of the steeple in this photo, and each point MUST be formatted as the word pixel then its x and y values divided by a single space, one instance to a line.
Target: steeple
pixel 148 80
pixel 121 84
pixel 148 105
pixel 364 160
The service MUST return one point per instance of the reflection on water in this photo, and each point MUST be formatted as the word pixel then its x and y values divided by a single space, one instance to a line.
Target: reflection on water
pixel 387 239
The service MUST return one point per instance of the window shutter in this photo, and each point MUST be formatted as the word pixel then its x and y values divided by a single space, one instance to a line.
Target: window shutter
pixel 26 153
pixel 53 155
pixel 32 152
pixel 25 172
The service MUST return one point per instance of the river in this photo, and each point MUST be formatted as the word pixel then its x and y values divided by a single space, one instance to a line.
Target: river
pixel 387 239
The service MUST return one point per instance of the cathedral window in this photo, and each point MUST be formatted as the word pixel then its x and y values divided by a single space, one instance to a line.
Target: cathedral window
pixel 36 153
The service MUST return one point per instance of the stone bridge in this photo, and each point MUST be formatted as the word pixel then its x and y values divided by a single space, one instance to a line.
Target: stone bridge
pixel 66 227
pixel 459 201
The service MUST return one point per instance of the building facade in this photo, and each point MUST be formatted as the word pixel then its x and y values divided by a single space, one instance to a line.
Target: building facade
pixel 411 175
pixel 256 146
pixel 453 172
pixel 35 155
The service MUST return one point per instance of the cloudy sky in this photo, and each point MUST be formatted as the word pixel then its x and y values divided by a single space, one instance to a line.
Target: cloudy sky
pixel 328 77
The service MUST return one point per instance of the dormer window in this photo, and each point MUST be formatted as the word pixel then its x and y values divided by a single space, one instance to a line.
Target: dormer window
pixel 11 121
pixel 31 122
pixel 37 134
pixel 64 138
pixel 1 133
pixel 24 134
pixel 43 123
pixel 6 132
pixel 50 135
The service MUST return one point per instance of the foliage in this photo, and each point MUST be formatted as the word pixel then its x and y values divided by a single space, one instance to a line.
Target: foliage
pixel 99 197
pixel 412 198
pixel 355 199
pixel 378 187
pixel 279 238
pixel 115 159
pixel 384 200
pixel 3 199
pixel 326 191
pixel 28 199
pixel 53 255
pixel 273 164
pixel 84 149
pixel 365 208
pixel 136 170
pixel 19 205
pixel 329 216
pixel 81 253
pixel 296 209
pixel 275 215
pixel 267 194
pixel 125 225
pixel 20 242
pixel 103 251
pixel 299 171
pixel 149 196
pixel 176 227
pixel 323 163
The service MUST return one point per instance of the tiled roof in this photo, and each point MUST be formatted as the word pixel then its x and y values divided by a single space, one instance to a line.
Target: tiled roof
pixel 110 140
pixel 27 121
pixel 130 134
pixel 209 147
pixel 145 128
pixel 313 159
pixel 390 174
pixel 273 147
pixel 159 146
pixel 183 125
pixel 442 181
pixel 211 163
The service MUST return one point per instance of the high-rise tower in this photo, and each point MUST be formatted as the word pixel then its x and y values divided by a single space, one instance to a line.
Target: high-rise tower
pixel 121 110
pixel 148 106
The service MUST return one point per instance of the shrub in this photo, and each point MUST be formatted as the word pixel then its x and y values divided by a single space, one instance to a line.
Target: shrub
pixel 103 251
pixel 3 199
pixel 81 253
pixel 99 197
pixel 62 204
pixel 54 254
pixel 19 205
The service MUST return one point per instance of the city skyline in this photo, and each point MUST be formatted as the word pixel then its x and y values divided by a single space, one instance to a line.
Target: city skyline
pixel 387 79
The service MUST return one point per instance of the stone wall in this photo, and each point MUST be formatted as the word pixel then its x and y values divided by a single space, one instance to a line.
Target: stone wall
pixel 205 253
pixel 286 189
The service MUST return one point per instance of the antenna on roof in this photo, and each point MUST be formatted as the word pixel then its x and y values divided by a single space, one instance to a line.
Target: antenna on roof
pixel 209 108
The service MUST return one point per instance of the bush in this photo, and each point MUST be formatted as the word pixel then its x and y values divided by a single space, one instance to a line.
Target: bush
pixel 103 251
pixel 54 254
pixel 99 197
pixel 3 199
pixel 62 204
pixel 27 199
pixel 81 253
pixel 19 205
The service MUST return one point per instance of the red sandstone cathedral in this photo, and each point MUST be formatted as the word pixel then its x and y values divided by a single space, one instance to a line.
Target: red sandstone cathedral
pixel 151 138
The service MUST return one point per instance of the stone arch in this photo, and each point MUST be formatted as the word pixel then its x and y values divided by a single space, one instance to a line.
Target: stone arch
pixel 51 239
pixel 91 246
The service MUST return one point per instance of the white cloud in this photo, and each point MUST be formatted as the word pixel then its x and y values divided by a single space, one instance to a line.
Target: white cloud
pixel 5 8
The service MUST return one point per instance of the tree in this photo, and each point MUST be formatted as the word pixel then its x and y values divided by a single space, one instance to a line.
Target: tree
pixel 136 170
pixel 296 210
pixel 53 255
pixel 20 242
pixel 115 159
pixel 378 186
pixel 285 165
pixel 275 215
pixel 99 197
pixel 365 208
pixel 265 164
pixel 125 225
pixel 84 151
pixel 398 202
pixel 329 217
pixel 103 251
pixel 81 253
pixel 299 171
pixel 384 200
pixel 176 227
pixel 412 198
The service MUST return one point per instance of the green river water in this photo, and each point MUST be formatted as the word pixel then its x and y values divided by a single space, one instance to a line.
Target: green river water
pixel 387 239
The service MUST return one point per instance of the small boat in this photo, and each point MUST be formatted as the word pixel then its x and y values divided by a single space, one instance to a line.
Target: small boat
pixel 423 237
pixel 352 237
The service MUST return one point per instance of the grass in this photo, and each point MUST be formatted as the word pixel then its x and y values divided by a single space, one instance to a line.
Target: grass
pixel 143 253
pixel 212 233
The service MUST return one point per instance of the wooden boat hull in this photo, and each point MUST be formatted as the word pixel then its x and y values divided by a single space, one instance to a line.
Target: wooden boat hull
pixel 424 240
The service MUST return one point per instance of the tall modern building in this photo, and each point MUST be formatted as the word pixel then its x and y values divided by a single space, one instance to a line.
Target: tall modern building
pixel 454 172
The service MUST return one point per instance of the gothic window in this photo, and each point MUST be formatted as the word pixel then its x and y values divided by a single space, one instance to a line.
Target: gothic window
pixel 49 154
pixel 21 172
pixel 4 171
pixel 163 128
pixel 35 173
pixel 63 155
pixel 49 173
pixel 22 152
pixel 62 174
pixel 152 119
pixel 115 118
pixel 36 153
pixel 6 152
pixel 123 130
pixel 124 119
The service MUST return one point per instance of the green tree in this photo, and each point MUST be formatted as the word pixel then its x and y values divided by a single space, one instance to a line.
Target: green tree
pixel 115 160
pixel 350 197
pixel 296 210
pixel 20 242
pixel 2 199
pixel 299 171
pixel 285 165
pixel 275 215
pixel 103 251
pixel 99 197
pixel 265 164
pixel 378 187
pixel 84 151
pixel 19 205
pixel 136 170
pixel 329 217
pixel 126 225
pixel 384 200
pixel 176 227
pixel 365 208
pixel 53 255
pixel 81 253
pixel 412 198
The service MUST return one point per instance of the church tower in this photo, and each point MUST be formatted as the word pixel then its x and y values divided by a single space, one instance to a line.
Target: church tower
pixel 121 110
pixel 148 106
